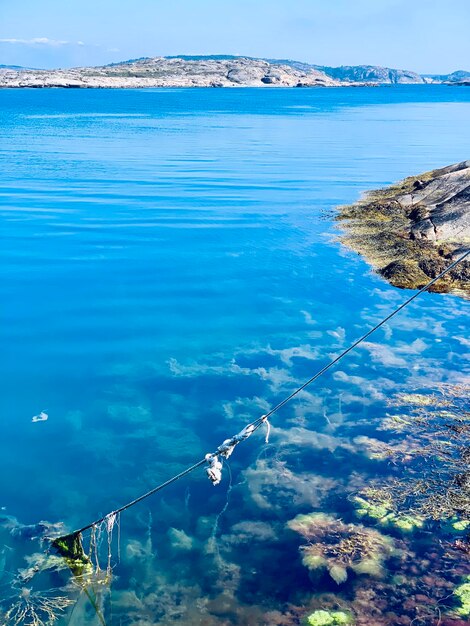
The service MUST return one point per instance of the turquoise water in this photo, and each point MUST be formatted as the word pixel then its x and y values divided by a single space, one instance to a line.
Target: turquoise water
pixel 170 268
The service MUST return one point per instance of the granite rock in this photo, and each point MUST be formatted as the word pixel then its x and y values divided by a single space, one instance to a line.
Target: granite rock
pixel 412 231
pixel 171 72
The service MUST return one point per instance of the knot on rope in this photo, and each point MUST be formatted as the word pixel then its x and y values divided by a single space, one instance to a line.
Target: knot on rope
pixel 214 469
pixel 228 445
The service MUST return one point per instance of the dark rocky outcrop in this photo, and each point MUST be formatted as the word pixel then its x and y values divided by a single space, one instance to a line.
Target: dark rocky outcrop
pixel 412 231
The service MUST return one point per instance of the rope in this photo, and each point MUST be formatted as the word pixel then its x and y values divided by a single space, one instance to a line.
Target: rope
pixel 142 497
pixel 368 333
pixel 214 466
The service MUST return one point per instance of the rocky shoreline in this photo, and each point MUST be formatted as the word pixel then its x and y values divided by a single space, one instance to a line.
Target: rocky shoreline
pixel 413 230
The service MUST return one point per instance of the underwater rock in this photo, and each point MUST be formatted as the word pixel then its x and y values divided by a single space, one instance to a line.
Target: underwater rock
pixel 248 531
pixel 41 562
pixel 41 530
pixel 339 547
pixel 125 413
pixel 413 230
pixel 378 450
pixel 138 551
pixel 272 485
pixel 179 540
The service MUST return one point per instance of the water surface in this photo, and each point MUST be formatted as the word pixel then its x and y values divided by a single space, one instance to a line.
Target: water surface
pixel 170 268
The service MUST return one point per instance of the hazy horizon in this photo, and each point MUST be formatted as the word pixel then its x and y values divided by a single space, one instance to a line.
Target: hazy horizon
pixel 424 36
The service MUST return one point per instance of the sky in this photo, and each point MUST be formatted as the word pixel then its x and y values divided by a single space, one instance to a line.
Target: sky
pixel 427 36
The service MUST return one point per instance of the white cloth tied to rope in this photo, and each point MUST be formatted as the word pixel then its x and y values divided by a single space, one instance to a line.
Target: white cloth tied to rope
pixel 214 467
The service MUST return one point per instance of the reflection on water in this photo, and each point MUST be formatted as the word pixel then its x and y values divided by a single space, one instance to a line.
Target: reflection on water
pixel 170 270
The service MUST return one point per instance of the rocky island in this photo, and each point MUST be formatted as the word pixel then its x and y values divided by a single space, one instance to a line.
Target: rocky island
pixel 172 72
pixel 413 230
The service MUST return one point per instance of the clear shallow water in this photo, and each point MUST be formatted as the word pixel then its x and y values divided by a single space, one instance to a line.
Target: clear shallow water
pixel 169 269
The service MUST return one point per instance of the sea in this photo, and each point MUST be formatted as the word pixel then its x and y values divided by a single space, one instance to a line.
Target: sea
pixel 172 268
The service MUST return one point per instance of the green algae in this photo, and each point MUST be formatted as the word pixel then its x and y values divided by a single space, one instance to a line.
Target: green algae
pixel 377 505
pixel 460 525
pixel 70 548
pixel 406 523
pixel 377 510
pixel 463 594
pixel 341 548
pixel 436 451
pixel 328 618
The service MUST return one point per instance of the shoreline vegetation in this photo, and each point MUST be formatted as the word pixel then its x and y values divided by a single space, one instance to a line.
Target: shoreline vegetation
pixel 411 231
pixel 217 71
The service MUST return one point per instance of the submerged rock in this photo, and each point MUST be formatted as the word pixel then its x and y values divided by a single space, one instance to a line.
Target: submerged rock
pixel 410 232
pixel 179 540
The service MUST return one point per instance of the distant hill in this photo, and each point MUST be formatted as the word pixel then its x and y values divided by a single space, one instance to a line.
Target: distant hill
pixel 371 74
pixel 459 75
pixel 12 67
pixel 454 77
pixel 378 74
pixel 361 73
pixel 128 62
pixel 211 57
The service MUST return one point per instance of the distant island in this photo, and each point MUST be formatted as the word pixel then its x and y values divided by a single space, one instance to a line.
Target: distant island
pixel 412 231
pixel 217 71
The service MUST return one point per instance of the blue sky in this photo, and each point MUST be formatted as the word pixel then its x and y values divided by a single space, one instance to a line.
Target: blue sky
pixel 422 35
